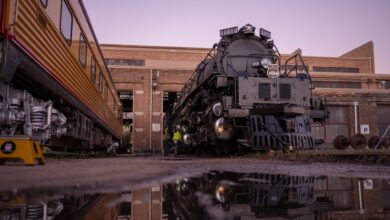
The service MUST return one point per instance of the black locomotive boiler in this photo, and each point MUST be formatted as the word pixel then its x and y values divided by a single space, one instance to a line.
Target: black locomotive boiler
pixel 239 97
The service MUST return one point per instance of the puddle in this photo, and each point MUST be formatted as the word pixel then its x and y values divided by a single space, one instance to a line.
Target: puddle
pixel 215 195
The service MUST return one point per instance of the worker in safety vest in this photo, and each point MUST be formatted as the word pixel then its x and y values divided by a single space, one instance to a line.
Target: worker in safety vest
pixel 177 138
pixel 167 142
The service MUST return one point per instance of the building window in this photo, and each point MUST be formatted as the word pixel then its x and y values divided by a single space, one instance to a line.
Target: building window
pixel 44 3
pixel 93 70
pixel 126 98
pixel 66 22
pixel 168 100
pixel 125 62
pixel 83 51
pixel 333 84
pixel 336 69
pixel 384 84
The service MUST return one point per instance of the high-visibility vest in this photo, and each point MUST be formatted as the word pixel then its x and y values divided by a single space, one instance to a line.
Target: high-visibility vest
pixel 176 136
pixel 167 137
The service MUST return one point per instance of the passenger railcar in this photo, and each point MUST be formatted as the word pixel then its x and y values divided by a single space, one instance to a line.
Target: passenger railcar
pixel 54 84
pixel 239 95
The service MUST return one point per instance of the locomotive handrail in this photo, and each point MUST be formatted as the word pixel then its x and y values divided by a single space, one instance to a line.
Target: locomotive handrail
pixel 278 56
pixel 296 69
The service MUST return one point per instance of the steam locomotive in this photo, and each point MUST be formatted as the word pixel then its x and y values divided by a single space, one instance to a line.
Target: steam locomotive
pixel 239 98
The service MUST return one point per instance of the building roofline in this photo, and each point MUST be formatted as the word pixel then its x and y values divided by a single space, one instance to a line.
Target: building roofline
pixel 153 46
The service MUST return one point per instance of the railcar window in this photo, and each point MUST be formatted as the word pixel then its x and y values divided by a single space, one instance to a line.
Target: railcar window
pixel 83 51
pixel 100 82
pixel 114 108
pixel 44 3
pixel 93 70
pixel 66 22
pixel 103 89
pixel 106 92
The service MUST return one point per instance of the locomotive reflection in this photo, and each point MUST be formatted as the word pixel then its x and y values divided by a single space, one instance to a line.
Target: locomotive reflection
pixel 226 195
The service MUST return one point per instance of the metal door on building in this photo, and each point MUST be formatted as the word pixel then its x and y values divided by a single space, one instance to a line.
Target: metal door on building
pixel 383 112
pixel 386 194
pixel 338 190
pixel 338 124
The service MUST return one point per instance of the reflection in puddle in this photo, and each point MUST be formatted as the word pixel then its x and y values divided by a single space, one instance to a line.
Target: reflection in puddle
pixel 218 195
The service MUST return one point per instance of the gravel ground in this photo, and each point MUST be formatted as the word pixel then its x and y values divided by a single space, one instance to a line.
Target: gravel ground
pixel 125 173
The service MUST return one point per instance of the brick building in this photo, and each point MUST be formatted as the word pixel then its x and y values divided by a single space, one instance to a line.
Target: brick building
pixel 149 77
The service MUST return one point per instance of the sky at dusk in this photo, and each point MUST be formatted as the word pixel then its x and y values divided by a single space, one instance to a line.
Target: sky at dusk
pixel 319 28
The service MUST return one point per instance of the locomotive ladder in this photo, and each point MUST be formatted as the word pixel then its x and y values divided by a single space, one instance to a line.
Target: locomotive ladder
pixel 384 135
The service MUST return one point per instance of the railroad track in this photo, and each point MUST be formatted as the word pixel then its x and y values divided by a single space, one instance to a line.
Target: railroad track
pixel 371 156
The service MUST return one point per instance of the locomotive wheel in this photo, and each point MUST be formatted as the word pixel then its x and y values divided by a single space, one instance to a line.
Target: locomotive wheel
pixel 227 148
pixel 218 150
pixel 373 141
pixel 341 142
pixel 198 151
pixel 358 141
pixel 386 143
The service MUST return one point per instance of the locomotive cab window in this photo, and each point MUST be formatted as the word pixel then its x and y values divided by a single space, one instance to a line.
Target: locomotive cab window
pixel 44 3
pixel 83 51
pixel 66 22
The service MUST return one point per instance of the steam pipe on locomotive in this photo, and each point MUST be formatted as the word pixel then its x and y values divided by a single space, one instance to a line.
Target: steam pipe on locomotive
pixel 238 96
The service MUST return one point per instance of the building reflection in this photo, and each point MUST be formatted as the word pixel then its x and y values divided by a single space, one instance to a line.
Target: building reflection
pixel 220 195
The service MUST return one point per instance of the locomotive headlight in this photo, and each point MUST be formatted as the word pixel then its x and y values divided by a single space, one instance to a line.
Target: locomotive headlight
pixel 224 191
pixel 184 128
pixel 224 128
pixel 217 109
pixel 265 62
pixel 187 139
